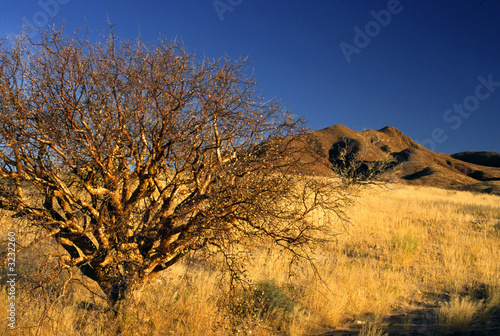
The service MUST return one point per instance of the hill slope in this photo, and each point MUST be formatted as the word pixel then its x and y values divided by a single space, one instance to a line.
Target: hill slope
pixel 489 159
pixel 410 163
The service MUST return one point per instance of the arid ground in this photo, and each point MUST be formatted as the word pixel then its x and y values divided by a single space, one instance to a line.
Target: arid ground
pixel 414 260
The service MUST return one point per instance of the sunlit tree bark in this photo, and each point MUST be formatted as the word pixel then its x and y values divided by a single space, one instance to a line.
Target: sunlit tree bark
pixel 131 155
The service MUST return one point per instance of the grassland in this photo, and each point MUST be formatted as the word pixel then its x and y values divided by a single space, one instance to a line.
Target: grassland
pixel 413 259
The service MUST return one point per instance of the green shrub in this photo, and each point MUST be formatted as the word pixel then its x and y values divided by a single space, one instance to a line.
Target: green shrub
pixel 496 229
pixel 271 299
pixel 266 303
pixel 265 300
pixel 407 244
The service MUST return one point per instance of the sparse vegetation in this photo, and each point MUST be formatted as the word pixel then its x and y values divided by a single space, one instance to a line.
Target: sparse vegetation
pixel 266 302
pixel 451 269
pixel 272 301
pixel 457 315
pixel 496 229
pixel 406 244
pixel 372 330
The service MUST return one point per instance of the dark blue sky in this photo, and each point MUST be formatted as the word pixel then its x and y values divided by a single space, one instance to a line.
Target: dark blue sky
pixel 428 68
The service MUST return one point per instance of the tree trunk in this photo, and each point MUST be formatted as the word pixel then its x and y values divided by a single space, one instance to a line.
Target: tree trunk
pixel 118 281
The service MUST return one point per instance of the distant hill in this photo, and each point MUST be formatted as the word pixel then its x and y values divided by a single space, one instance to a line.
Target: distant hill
pixel 489 159
pixel 408 162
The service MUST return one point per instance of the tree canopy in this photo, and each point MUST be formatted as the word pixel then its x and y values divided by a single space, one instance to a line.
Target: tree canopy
pixel 133 154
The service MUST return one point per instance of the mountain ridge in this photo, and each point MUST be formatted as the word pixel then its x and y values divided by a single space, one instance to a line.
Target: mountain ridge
pixel 407 161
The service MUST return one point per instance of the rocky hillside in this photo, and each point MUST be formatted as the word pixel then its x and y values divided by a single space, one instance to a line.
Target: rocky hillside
pixel 400 159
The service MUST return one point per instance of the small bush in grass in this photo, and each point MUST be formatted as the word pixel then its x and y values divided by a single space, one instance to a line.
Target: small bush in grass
pixel 267 301
pixel 407 244
pixel 372 330
pixel 457 315
pixel 496 229
pixel 271 299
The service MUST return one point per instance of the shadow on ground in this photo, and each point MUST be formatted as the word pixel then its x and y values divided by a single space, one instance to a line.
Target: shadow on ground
pixel 421 321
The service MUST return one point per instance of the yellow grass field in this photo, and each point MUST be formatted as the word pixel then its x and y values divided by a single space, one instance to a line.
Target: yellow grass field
pixel 413 259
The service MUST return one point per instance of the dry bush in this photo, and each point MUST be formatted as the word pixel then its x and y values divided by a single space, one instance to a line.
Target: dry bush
pixel 372 330
pixel 457 315
pixel 131 155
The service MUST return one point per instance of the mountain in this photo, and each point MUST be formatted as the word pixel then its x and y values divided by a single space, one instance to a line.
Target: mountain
pixel 396 157
pixel 489 159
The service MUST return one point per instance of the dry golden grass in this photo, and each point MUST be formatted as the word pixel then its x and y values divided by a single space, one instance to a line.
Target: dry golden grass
pixel 407 247
pixel 372 331
pixel 458 314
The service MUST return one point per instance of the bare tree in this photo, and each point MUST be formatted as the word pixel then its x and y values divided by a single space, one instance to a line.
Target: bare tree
pixel 348 158
pixel 131 155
